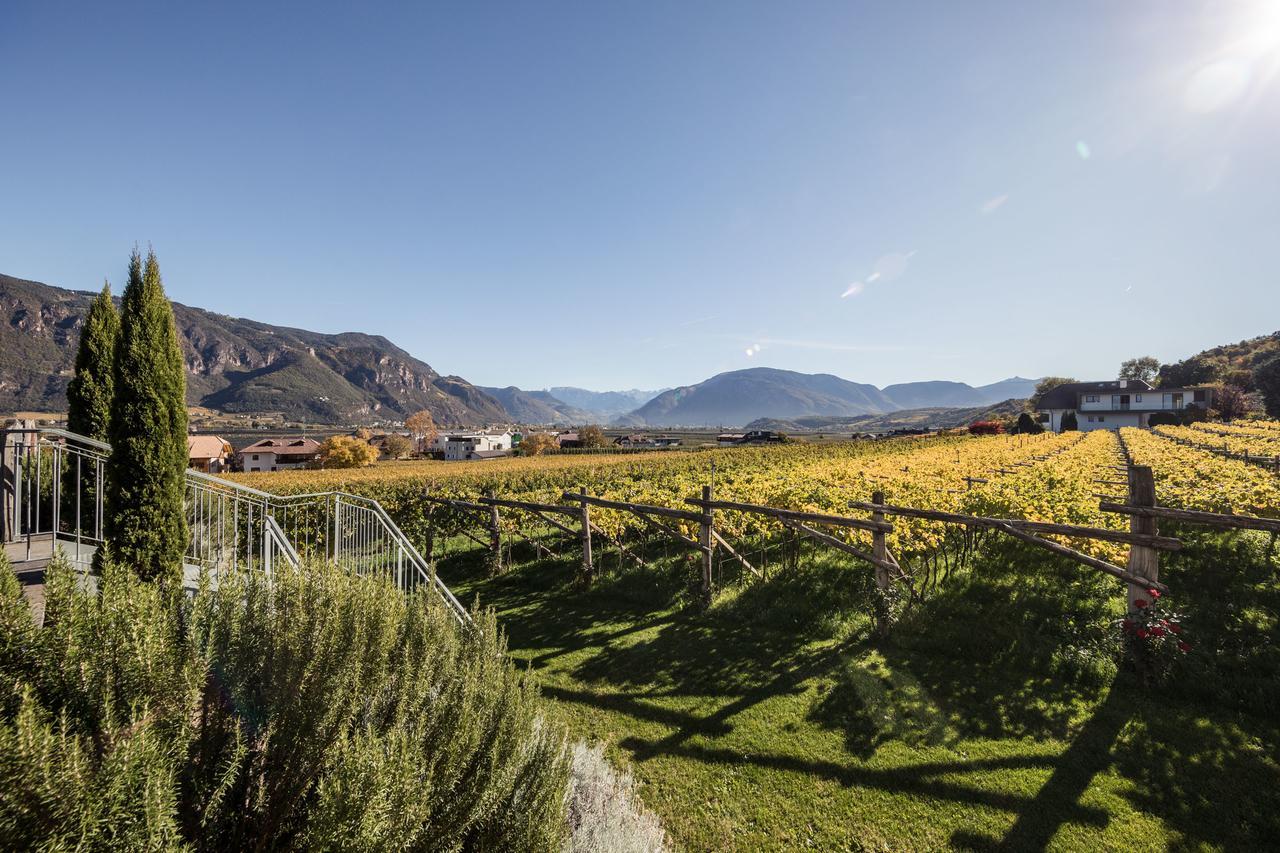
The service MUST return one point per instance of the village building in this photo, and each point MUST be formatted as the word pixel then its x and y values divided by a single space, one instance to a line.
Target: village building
pixel 279 454
pixel 651 442
pixel 209 454
pixel 1116 403
pixel 489 444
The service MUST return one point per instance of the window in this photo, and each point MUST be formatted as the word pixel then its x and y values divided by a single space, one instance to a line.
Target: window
pixel 1090 421
pixel 255 457
pixel 1102 419
pixel 1137 398
pixel 1091 398
pixel 1200 396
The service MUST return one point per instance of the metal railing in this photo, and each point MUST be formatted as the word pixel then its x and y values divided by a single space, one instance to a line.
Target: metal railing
pixel 51 495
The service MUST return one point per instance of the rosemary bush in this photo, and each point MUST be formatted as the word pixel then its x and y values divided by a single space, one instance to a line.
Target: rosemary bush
pixel 317 710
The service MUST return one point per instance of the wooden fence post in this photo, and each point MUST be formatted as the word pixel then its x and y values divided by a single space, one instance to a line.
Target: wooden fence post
pixel 706 539
pixel 588 570
pixel 495 540
pixel 880 550
pixel 1144 561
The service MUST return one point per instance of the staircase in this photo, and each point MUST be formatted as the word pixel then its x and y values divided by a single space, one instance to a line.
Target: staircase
pixel 51 487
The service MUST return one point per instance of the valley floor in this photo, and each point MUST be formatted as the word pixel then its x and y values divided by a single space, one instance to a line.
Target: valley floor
pixel 993 718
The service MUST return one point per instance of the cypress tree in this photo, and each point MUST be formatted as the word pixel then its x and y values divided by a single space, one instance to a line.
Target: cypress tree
pixel 146 524
pixel 90 391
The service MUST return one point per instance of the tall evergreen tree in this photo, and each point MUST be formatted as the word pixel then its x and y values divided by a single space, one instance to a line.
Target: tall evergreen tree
pixel 146 525
pixel 89 394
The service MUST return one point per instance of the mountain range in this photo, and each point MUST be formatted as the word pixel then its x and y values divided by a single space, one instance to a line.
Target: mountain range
pixel 742 396
pixel 243 366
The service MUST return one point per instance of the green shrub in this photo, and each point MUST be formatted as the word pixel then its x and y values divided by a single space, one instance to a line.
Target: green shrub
pixel 312 710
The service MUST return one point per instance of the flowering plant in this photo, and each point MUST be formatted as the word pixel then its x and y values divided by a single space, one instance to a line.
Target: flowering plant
pixel 1154 635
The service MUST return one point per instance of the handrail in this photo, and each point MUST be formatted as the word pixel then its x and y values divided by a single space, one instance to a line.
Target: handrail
pixel 226 518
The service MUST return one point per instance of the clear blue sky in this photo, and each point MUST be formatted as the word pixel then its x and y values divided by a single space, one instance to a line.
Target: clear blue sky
pixel 635 194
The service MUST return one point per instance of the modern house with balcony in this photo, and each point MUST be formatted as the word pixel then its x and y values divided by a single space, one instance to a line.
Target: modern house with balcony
pixel 1117 403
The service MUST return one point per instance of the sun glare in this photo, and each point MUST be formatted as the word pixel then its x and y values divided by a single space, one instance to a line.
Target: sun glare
pixel 1242 66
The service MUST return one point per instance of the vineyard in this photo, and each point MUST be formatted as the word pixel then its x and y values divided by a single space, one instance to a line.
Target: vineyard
pixel 1004 709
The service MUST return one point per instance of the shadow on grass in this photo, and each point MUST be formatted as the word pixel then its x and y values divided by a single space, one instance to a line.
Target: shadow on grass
pixel 1018 647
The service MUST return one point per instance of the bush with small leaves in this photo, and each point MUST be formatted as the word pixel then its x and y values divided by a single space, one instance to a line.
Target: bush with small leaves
pixel 312 709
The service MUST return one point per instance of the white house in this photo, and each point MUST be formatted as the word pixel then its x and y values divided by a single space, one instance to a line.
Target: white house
pixel 278 454
pixel 1117 403
pixel 476 445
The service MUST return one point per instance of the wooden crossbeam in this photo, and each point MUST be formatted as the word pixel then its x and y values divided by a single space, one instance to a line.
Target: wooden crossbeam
pixel 840 544
pixel 554 523
pixel 666 512
pixel 456 504
pixel 732 553
pixel 1163 543
pixel 1071 553
pixel 623 548
pixel 667 530
pixel 530 506
pixel 1210 519
pixel 792 515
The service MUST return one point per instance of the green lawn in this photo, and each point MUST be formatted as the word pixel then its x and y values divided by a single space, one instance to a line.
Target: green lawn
pixel 994 718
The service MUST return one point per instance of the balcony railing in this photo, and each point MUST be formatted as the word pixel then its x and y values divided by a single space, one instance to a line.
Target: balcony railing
pixel 51 496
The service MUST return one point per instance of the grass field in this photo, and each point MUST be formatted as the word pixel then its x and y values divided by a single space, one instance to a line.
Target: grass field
pixel 993 718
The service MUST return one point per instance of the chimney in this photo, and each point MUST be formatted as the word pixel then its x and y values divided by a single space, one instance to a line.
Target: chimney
pixel 1124 383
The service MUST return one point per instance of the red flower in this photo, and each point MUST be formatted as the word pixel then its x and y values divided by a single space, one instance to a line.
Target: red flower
pixel 1175 628
pixel 1157 631
pixel 1142 633
pixel 1139 603
pixel 1153 592
pixel 1184 646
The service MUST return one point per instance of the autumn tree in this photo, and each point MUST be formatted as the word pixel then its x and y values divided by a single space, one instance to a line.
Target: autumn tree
pixel 346 451
pixel 1231 402
pixel 423 429
pixel 592 437
pixel 537 444
pixel 397 446
pixel 1143 368
pixel 146 485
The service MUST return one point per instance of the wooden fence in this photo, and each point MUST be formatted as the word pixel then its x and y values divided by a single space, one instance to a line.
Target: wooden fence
pixel 1140 573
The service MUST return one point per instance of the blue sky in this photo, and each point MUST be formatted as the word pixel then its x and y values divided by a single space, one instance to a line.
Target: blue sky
pixel 638 194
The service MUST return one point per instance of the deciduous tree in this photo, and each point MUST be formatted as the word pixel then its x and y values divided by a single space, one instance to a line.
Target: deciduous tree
pixel 1143 368
pixel 423 429
pixel 1266 378
pixel 146 524
pixel 1232 402
pixel 592 437
pixel 346 451
pixel 397 446
pixel 537 444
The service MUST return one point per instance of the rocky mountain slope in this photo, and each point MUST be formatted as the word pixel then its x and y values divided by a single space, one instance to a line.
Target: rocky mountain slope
pixel 237 365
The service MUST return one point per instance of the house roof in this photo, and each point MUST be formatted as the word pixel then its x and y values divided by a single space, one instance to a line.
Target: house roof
pixel 1068 396
pixel 284 446
pixel 488 454
pixel 206 447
